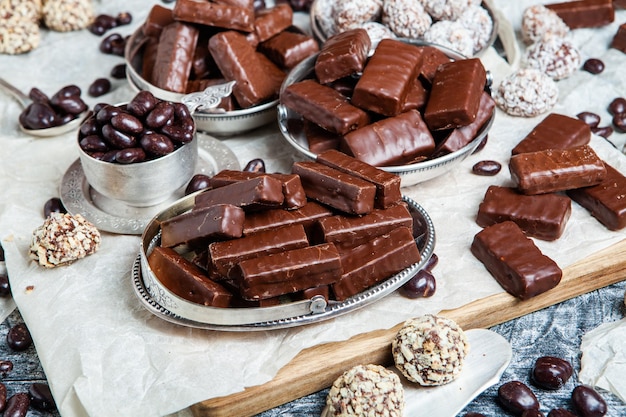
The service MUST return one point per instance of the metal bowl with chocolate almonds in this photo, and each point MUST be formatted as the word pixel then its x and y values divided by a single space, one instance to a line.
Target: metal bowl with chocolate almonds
pixel 406 106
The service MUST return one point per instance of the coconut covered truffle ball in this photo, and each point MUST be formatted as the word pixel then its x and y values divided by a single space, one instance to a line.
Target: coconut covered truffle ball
pixel 349 14
pixel 539 21
pixel 430 350
pixel 451 34
pixel 477 20
pixel 527 92
pixel 377 31
pixel 447 9
pixel 406 18
pixel 19 31
pixel 67 15
pixel 557 57
pixel 366 390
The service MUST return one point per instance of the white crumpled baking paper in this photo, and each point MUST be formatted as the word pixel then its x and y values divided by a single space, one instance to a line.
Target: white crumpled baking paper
pixel 104 354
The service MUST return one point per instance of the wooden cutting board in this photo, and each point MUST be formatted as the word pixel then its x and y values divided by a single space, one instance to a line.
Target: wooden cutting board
pixel 317 367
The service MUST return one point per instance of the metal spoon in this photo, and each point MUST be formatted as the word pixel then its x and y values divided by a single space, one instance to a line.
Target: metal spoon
pixel 24 101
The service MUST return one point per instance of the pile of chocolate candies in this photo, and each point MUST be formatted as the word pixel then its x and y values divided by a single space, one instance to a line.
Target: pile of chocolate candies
pixel 64 106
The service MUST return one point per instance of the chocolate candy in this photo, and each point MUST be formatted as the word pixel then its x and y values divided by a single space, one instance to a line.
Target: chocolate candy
pixel 585 13
pixel 174 56
pixel 17 405
pixel 392 141
pixel 18 337
pixel 515 261
pixel 550 372
pixel 202 224
pixel 387 184
pixel 318 138
pixel 214 14
pixel 592 119
pixel 197 182
pixel 378 259
pixel 593 66
pixel 336 189
pixel 53 205
pixel 516 397
pixel 555 131
pixel 432 58
pixel 323 106
pixel 619 121
pixel 41 397
pixel 263 192
pixel 417 97
pixel 543 216
pixel 271 219
pixel 287 49
pixel 605 201
pixel 342 55
pixel 157 19
pixel 556 170
pixel 587 402
pixel 560 412
pixel 185 279
pixel 289 271
pixel 422 285
pixel 619 39
pixel 486 168
pixel 455 95
pixel 617 106
pixel 272 21
pixel 388 77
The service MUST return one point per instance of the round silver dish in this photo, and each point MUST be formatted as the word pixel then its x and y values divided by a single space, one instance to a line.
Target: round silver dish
pixel 321 31
pixel 291 125
pixel 162 302
pixel 220 124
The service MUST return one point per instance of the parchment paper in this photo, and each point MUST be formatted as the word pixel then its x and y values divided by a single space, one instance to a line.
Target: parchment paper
pixel 104 354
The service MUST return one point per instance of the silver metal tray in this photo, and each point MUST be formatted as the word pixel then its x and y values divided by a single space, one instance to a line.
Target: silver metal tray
pixel 168 306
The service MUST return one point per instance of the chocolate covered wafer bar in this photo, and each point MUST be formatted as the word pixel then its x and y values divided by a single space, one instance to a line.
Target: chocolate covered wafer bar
pixel 263 192
pixel 584 13
pixel 157 19
pixel 272 219
pixel 270 22
pixel 619 39
pixel 342 55
pixel 515 261
pixel 556 170
pixel 555 131
pixel 543 216
pixel 213 14
pixel 287 49
pixel 174 56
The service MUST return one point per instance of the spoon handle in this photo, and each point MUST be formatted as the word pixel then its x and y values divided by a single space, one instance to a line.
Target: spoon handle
pixel 22 98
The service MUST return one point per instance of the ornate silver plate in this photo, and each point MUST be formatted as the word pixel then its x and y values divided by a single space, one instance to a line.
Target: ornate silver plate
pixel 168 306
pixel 115 216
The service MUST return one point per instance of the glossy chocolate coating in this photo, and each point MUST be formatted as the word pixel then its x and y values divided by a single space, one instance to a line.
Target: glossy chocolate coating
pixel 619 40
pixel 584 13
pixel 556 170
pixel 555 131
pixel 388 77
pixel 157 19
pixel 392 141
pixel 373 261
pixel 515 261
pixel 174 56
pixel 200 225
pixel 417 97
pixel 543 216
pixel 550 372
pixel 272 21
pixel 387 184
pixel 336 189
pixel 605 201
pixel 214 14
pixel 318 138
pixel 289 271
pixel 262 192
pixel 516 397
pixel 455 94
pixel 287 49
pixel 185 279
pixel 324 106
pixel 432 58
pixel 272 219
pixel 342 55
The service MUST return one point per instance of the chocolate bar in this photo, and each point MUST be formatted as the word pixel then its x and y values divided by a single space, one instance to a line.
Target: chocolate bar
pixel 336 189
pixel 157 19
pixel 543 216
pixel 342 55
pixel 432 59
pixel 293 192
pixel 263 192
pixel 351 231
pixel 239 62
pixel 318 138
pixel 387 184
pixel 274 75
pixel 198 226
pixel 556 170
pixel 270 22
pixel 274 218
pixel 225 255
pixel 556 131
pixel 287 272
pixel 455 94
pixel 374 261
pixel 174 56
pixel 388 77
pixel 515 261
pixel 287 49
pixel 605 201
pixel 585 13
pixel 185 279
pixel 392 141
pixel 213 14
pixel 417 97
pixel 148 60
pixel 247 4
pixel 324 106
pixel 619 40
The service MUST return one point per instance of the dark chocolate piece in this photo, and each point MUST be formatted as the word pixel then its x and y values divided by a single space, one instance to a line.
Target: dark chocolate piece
pixel 388 77
pixel 417 97
pixel 342 55
pixel 432 58
pixel 619 40
pixel 387 184
pixel 213 14
pixel 289 271
pixel 556 170
pixel 224 256
pixel 272 219
pixel 605 201
pixel 185 279
pixel 174 56
pixel 324 106
pixel 374 261
pixel 455 94
pixel 392 141
pixel 272 21
pixel 515 261
pixel 198 226
pixel 318 138
pixel 263 192
pixel 157 19
pixel 336 189
pixel 556 131
pixel 585 13
pixel 288 49
pixel 543 216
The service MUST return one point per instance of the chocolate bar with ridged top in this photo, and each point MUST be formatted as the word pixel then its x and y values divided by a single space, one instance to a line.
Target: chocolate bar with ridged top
pixel 555 131
pixel 515 261
pixel 174 56
pixel 271 21
pixel 259 193
pixel 213 14
pixel 274 218
pixel 342 55
pixel 584 13
pixel 287 49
